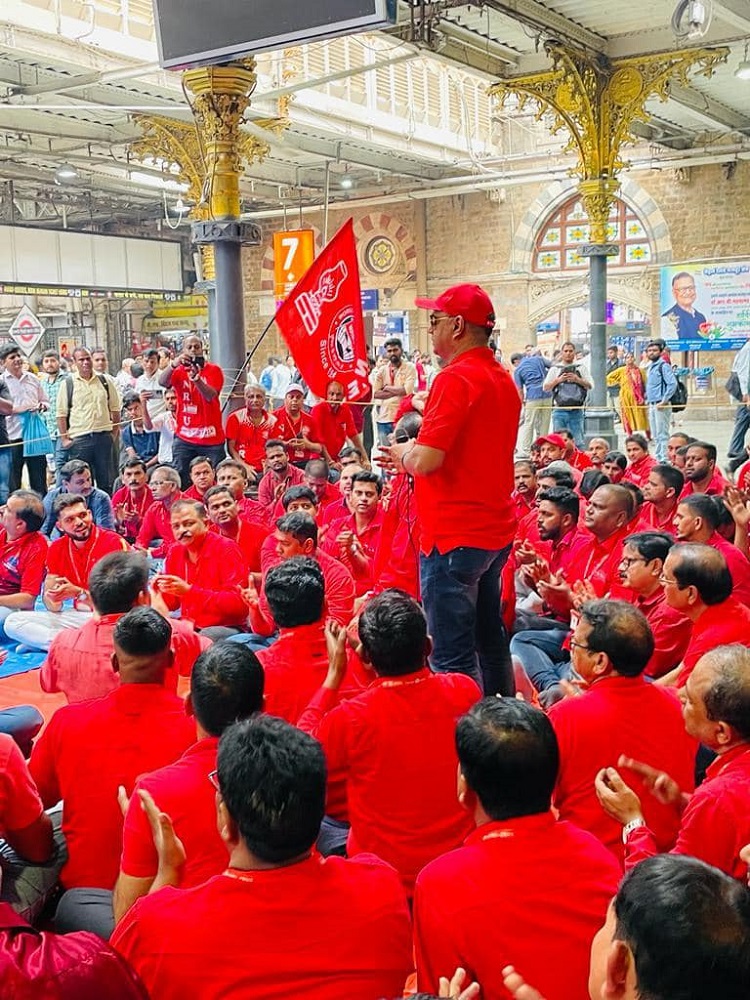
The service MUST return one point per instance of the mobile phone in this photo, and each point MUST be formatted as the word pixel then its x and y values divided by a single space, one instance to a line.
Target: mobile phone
pixel 199 361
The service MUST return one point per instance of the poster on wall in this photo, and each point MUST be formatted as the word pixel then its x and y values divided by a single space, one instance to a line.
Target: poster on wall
pixel 705 307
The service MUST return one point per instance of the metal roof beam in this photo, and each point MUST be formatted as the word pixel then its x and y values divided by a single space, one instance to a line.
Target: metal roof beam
pixel 709 110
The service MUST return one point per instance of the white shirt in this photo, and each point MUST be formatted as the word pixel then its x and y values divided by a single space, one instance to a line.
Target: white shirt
pixel 556 370
pixel 26 393
pixel 166 424
pixel 280 379
pixel 741 366
pixel 150 383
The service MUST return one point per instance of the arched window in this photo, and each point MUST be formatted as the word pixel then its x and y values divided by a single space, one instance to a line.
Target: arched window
pixel 559 242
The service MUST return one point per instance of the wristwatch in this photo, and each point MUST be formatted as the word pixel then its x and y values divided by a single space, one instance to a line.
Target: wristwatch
pixel 634 824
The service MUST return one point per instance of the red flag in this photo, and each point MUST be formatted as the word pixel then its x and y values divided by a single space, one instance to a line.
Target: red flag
pixel 321 320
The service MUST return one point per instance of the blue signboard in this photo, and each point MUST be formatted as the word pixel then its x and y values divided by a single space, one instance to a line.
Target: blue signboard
pixel 370 299
pixel 394 325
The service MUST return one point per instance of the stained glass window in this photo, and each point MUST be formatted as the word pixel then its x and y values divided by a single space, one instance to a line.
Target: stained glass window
pixel 566 231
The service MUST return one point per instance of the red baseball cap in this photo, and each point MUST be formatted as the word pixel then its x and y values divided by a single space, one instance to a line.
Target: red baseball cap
pixel 555 439
pixel 470 302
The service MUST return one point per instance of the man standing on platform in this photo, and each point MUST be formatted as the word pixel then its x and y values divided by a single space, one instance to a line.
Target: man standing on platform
pixel 390 384
pixel 467 522
pixel 199 426
pixel 661 385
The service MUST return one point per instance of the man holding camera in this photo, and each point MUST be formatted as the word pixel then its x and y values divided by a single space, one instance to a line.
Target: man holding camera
pixel 199 426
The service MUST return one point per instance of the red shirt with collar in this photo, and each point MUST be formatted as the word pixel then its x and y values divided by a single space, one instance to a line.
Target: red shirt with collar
pixel 738 564
pixel 579 460
pixel 136 504
pixel 671 631
pixel 254 513
pixel 271 489
pixel 715 487
pixel 538 889
pixel 716 822
pixel 64 558
pixel 620 715
pixel 339 589
pixel 472 416
pixel 334 428
pixel 719 625
pixel 192 494
pixel 287 429
pixel 213 598
pixel 597 562
pixel 183 791
pixel 20 805
pixel 232 936
pixel 638 472
pixel 79 661
pixel 294 666
pixel 157 523
pixel 394 745
pixel 78 966
pixel 335 511
pixel 649 519
pixel 22 563
pixel 249 439
pixel 198 419
pixel 250 537
pixel 331 494
pixel 397 557
pixel 523 505
pixel 368 538
pixel 91 748
pixel 743 476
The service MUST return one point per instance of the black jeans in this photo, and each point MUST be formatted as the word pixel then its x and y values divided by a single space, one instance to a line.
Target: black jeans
pixel 96 450
pixel 37 466
pixel 183 454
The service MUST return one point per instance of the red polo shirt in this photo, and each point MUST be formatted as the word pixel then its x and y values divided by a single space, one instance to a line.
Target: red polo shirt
pixel 294 666
pixel 90 749
pixel 716 822
pixel 22 563
pixel 715 487
pixel 649 519
pixel 620 715
pixel 136 504
pixel 719 625
pixel 397 557
pixel 671 631
pixel 472 416
pixel 322 929
pixel 578 460
pixel 530 892
pixel 394 745
pixel 638 472
pixel 79 661
pixel 64 558
pixel 157 523
pixel 198 419
pixel 287 429
pixel 249 439
pixel 20 805
pixel 271 488
pixel 523 504
pixel 334 427
pixel 254 513
pixel 369 538
pixel 183 791
pixel 250 538
pixel 215 579
pixel 597 562
pixel 339 591
pixel 192 494
pixel 739 567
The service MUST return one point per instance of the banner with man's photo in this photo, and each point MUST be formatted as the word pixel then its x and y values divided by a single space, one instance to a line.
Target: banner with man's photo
pixel 705 307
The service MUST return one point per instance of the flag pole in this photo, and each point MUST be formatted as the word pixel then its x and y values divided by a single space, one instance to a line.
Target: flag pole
pixel 248 359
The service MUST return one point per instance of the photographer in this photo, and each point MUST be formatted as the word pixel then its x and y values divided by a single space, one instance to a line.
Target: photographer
pixel 199 427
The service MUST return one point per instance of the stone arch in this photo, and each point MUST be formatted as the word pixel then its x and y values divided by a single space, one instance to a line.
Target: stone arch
pixel 381 223
pixel 559 191
pixel 549 296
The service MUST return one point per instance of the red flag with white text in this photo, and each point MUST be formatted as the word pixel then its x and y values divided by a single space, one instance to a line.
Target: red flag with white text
pixel 321 320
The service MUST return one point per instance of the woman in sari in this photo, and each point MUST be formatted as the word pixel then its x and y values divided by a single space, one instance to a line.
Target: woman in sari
pixel 632 395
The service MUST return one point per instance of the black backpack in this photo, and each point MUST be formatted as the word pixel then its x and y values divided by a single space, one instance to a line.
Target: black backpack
pixel 680 398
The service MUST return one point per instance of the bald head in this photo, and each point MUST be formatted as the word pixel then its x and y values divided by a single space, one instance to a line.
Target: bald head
pixel 726 695
pixel 609 510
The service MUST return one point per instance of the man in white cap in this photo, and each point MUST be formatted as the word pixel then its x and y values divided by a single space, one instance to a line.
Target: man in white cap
pixel 467 520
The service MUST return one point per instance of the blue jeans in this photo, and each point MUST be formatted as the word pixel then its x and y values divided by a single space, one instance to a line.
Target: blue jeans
pixel 541 653
pixel 568 418
pixel 736 447
pixel 660 419
pixel 461 598
pixel 22 722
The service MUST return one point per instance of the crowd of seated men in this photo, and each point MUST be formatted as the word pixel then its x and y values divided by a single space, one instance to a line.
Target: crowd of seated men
pixel 252 790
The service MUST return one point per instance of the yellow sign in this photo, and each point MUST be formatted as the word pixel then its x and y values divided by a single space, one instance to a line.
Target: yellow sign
pixel 293 253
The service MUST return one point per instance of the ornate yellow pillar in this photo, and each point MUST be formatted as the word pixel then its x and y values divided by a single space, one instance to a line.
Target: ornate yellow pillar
pixel 597 100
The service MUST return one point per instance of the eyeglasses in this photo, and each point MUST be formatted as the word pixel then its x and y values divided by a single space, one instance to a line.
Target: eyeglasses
pixel 684 288
pixel 627 562
pixel 214 779
pixel 435 319
pixel 579 645
pixel 666 582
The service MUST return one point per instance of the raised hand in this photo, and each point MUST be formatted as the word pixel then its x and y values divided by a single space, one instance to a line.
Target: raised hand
pixel 456 987
pixel 663 788
pixel 518 988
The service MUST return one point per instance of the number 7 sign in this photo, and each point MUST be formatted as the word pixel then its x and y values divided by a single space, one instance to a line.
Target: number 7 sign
pixel 293 254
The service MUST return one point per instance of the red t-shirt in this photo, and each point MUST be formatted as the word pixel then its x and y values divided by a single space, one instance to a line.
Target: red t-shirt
pixel 334 428
pixel 157 523
pixel 597 562
pixel 79 661
pixel 739 567
pixel 65 558
pixel 183 791
pixel 198 419
pixel 322 929
pixel 136 505
pixel 649 519
pixel 397 558
pixel 472 416
pixel 638 472
pixel 250 538
pixel 394 746
pixel 620 715
pixel 213 598
pixel 369 539
pixel 91 748
pixel 339 589
pixel 271 489
pixel 287 429
pixel 715 487
pixel 249 439
pixel 254 513
pixel 719 625
pixel 20 805
pixel 671 631
pixel 294 666
pixel 530 892
pixel 22 563
pixel 716 822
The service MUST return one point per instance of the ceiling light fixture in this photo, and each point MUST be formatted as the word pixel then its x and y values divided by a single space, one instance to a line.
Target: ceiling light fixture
pixel 743 70
pixel 346 182
pixel 65 173
pixel 691 19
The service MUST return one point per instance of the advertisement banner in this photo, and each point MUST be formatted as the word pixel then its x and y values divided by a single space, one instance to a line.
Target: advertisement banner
pixel 705 307
pixel 321 320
